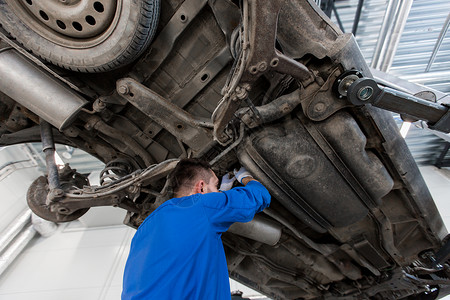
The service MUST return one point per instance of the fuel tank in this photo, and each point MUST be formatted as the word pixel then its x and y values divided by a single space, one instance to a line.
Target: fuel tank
pixel 320 171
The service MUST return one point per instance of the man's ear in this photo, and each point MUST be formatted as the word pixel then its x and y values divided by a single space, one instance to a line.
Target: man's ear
pixel 199 187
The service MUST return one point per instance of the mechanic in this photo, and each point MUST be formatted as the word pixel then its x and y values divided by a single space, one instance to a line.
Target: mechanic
pixel 177 252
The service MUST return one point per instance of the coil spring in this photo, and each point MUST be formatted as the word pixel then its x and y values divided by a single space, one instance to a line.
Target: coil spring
pixel 114 170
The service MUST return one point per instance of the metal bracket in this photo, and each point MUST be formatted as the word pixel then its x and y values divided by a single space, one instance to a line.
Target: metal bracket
pixel 188 129
pixel 258 56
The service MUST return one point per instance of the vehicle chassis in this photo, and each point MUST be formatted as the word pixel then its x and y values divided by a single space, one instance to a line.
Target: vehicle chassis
pixel 342 237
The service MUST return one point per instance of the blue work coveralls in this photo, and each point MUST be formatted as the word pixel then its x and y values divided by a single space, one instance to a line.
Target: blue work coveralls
pixel 177 252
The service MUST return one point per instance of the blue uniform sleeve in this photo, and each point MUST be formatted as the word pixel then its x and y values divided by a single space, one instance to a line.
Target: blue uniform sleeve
pixel 236 205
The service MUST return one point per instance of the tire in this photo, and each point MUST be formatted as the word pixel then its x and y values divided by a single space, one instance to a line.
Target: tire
pixel 104 35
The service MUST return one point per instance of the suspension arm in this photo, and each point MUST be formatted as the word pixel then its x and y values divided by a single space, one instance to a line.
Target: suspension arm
pixel 119 193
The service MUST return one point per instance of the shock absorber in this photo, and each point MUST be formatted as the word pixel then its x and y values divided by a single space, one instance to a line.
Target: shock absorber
pixel 48 147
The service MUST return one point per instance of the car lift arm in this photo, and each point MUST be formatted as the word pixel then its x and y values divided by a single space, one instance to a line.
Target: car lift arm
pixel 362 91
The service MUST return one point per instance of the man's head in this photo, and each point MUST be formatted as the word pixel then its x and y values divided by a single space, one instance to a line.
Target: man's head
pixel 192 176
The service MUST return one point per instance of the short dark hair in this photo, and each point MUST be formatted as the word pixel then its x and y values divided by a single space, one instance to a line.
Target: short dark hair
pixel 188 171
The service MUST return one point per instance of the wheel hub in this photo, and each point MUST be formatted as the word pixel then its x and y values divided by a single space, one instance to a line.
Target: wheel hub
pixel 74 18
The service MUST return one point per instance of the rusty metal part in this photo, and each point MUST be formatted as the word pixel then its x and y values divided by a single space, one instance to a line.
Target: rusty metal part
pixel 387 233
pixel 199 82
pixel 359 259
pixel 14 44
pixel 163 44
pixel 227 15
pixel 317 262
pixel 177 121
pixel 323 103
pixel 231 147
pixel 398 280
pixel 42 94
pixel 97 123
pixel 259 29
pixel 318 102
pixel 263 56
pixel 79 197
pixel 118 193
pixel 38 193
pixel 325 249
pixel 48 147
pixel 272 111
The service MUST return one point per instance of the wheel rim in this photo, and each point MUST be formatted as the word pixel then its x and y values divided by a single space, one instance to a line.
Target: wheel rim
pixel 70 23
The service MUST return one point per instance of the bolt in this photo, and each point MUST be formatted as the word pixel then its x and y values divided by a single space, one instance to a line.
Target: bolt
pixel 319 107
pixel 262 66
pixel 99 105
pixel 123 89
pixel 347 84
pixel 241 92
pixel 58 192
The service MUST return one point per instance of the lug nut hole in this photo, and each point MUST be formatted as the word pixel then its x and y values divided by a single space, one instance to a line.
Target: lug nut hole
pixel 43 15
pixel 99 7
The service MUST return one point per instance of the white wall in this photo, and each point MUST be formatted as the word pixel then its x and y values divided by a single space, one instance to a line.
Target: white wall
pixel 17 172
pixel 75 263
pixel 438 182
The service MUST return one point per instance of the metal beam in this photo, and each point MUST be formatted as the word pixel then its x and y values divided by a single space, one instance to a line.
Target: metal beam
pixel 390 33
pixel 438 44
pixel 357 16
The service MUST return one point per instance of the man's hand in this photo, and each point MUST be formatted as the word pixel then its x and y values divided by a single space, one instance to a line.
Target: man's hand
pixel 227 183
pixel 241 174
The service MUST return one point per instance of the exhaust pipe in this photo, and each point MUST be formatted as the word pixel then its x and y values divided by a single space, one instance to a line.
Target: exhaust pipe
pixel 37 90
pixel 259 229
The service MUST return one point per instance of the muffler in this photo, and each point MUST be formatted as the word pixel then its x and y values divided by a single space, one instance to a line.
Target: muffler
pixel 37 90
pixel 259 229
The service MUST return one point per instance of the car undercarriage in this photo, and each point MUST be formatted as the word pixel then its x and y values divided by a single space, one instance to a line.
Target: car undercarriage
pixel 274 86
